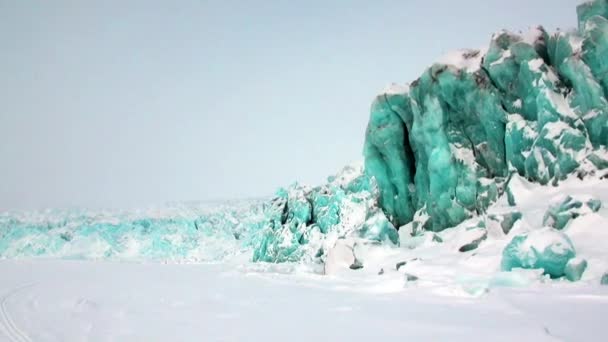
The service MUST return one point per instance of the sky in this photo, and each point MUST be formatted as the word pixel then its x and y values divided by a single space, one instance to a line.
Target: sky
pixel 123 104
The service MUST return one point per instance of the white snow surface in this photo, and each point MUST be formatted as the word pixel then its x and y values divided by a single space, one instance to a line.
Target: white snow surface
pixel 506 54
pixel 541 239
pixel 533 35
pixel 464 59
pixel 98 301
pixel 457 296
pixel 535 64
pixel 396 89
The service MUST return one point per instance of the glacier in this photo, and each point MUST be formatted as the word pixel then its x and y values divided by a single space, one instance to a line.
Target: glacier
pixel 495 159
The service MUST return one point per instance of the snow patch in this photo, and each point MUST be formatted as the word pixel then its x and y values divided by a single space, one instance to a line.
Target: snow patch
pixel 505 54
pixel 533 35
pixel 536 64
pixel 465 59
pixel 396 89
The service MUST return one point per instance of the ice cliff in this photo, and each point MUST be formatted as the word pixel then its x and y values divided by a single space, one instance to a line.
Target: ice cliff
pixel 532 104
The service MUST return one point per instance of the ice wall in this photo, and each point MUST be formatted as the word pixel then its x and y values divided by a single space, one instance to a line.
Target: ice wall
pixel 532 104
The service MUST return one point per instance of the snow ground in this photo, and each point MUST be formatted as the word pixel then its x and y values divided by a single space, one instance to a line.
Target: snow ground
pixel 58 300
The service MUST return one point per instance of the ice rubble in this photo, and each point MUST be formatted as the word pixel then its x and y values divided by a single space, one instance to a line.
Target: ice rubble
pixel 361 240
pixel 178 233
pixel 575 268
pixel 305 222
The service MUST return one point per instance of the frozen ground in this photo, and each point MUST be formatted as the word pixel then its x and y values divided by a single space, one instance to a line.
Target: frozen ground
pixel 103 301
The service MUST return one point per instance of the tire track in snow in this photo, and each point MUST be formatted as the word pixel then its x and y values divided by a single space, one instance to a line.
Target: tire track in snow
pixel 7 325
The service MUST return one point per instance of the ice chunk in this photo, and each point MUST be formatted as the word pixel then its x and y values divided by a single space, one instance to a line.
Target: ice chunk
pixel 479 234
pixel 559 215
pixel 594 205
pixel 575 268
pixel 300 221
pixel 599 158
pixel 410 277
pixel 546 249
pixel 506 220
pixel 356 265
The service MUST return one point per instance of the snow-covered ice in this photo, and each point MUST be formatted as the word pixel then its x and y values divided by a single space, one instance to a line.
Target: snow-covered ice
pixel 106 301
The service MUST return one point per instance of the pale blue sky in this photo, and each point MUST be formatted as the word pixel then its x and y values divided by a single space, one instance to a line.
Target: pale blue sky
pixel 132 103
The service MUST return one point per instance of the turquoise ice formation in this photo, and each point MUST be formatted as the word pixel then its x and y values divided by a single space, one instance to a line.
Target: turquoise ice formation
pixel 532 104
pixel 298 224
pixel 302 221
pixel 174 233
pixel 547 249
pixel 506 221
pixel 575 268
pixel 558 216
pixel 479 233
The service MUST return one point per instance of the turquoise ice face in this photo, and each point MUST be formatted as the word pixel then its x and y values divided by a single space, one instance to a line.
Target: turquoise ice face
pixel 533 104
